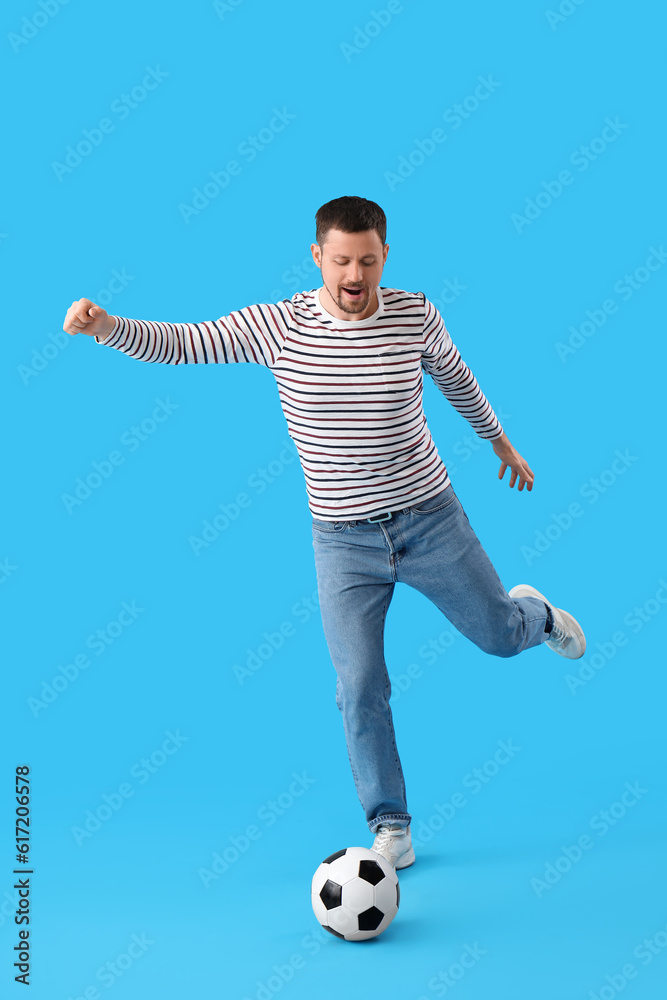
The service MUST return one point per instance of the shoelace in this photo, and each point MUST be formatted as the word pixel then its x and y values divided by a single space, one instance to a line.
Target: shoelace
pixel 385 836
pixel 559 635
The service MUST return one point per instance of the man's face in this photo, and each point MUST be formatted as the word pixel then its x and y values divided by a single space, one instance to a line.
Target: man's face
pixel 351 265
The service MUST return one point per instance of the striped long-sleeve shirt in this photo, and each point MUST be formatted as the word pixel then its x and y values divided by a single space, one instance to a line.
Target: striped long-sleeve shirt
pixel 351 391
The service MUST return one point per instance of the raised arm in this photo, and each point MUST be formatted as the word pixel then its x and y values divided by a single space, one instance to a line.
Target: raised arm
pixel 255 333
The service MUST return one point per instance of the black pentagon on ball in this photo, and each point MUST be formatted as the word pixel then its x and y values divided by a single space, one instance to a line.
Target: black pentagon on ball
pixel 332 931
pixel 370 919
pixel 370 871
pixel 332 857
pixel 331 894
pixel 398 893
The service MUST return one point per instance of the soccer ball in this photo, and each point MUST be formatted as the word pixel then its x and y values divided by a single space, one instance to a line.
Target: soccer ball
pixel 355 893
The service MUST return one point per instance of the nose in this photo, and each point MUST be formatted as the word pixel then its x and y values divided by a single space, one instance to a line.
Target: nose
pixel 354 275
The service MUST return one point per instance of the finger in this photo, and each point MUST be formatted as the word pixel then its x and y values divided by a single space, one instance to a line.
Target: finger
pixel 82 307
pixel 79 309
pixel 73 324
pixel 513 477
pixel 503 469
pixel 78 315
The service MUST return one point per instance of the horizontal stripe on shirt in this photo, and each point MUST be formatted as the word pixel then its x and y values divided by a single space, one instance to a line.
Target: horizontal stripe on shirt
pixel 351 391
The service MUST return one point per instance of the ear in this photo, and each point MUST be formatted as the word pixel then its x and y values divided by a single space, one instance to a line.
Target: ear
pixel 317 254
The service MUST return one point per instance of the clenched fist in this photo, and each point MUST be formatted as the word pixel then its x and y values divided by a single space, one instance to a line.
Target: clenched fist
pixel 85 317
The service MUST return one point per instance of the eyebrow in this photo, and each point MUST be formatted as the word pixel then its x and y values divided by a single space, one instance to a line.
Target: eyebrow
pixel 367 256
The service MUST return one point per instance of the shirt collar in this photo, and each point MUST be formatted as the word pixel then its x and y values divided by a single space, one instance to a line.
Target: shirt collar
pixel 351 322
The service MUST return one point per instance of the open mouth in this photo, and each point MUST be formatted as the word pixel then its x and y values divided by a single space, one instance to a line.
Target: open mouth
pixel 354 293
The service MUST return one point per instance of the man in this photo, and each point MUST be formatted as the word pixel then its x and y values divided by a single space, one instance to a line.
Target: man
pixel 349 359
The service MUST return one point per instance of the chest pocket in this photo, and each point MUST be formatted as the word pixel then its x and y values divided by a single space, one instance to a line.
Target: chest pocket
pixel 399 367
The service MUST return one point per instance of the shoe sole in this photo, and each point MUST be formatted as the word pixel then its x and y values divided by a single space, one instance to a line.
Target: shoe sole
pixel 407 860
pixel 525 590
pixel 404 861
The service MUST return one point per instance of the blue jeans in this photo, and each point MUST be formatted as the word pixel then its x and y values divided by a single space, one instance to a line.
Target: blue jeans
pixel 431 547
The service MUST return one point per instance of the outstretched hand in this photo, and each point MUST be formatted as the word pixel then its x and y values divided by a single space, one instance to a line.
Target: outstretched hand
pixel 83 316
pixel 510 458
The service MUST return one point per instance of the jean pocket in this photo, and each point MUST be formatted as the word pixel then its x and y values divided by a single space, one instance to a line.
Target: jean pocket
pixel 438 502
pixel 328 526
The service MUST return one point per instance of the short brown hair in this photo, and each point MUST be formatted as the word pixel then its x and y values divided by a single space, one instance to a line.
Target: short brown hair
pixel 350 214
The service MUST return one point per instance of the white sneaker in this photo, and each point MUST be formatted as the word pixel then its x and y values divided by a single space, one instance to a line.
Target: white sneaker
pixel 566 637
pixel 394 843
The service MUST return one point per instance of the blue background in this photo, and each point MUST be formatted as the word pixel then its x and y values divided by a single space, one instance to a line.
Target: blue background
pixel 360 100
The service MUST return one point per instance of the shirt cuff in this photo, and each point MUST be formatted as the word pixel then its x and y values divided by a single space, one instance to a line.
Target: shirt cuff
pixel 112 338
